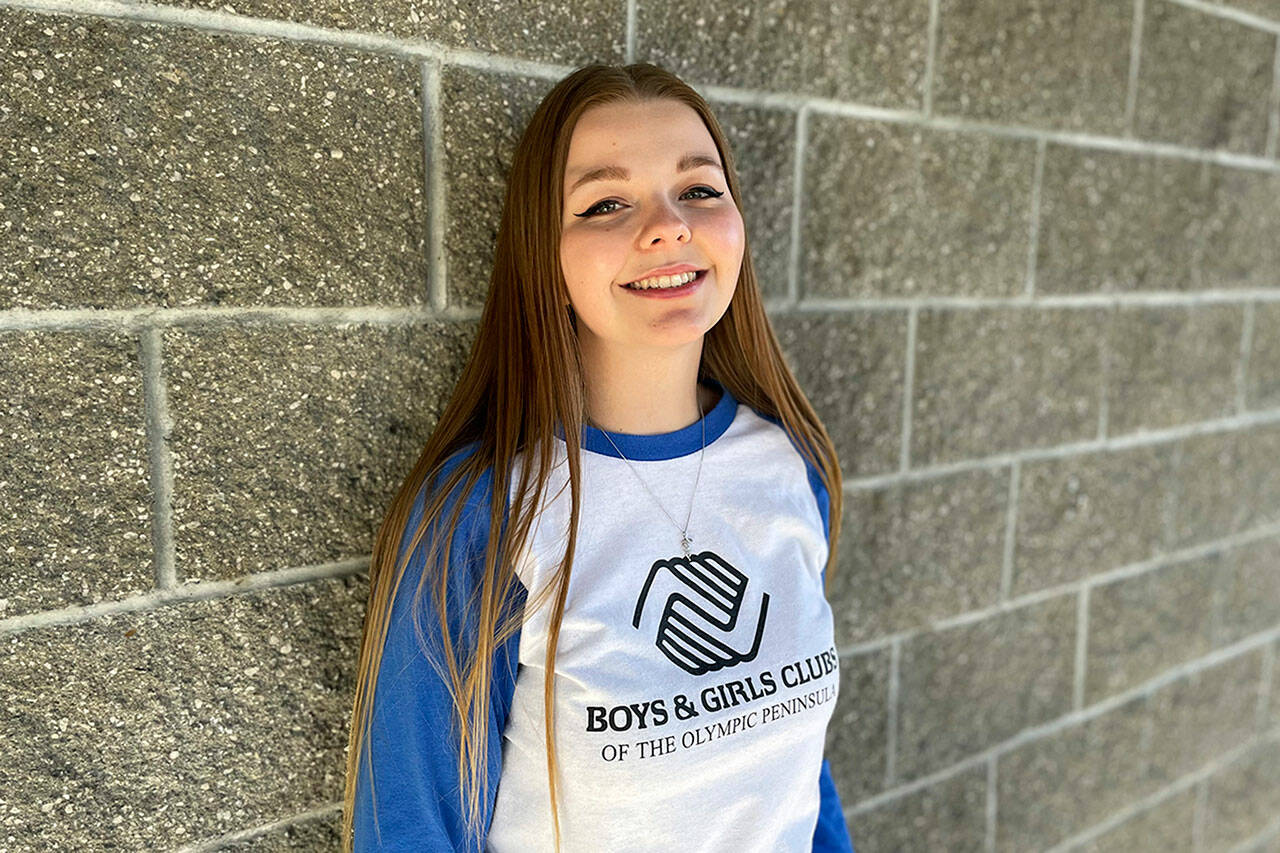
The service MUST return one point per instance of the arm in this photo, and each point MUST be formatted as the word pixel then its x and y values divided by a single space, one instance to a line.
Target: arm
pixel 412 738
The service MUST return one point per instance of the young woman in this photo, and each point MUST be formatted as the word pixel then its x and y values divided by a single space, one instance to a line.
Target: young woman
pixel 628 491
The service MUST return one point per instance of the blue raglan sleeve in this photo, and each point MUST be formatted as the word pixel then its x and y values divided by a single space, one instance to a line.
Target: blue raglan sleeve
pixel 413 742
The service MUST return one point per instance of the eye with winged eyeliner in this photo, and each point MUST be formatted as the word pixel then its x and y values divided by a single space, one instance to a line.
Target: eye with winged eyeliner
pixel 592 211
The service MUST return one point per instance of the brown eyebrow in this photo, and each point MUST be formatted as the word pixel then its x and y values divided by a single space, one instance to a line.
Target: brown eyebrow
pixel 687 163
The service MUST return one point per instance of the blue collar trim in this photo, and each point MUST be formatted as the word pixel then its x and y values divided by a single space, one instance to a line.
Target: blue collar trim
pixel 663 445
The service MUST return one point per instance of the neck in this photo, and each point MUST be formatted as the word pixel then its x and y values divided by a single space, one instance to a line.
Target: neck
pixel 645 396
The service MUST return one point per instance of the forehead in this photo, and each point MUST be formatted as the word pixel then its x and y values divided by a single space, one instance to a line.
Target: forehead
pixel 635 135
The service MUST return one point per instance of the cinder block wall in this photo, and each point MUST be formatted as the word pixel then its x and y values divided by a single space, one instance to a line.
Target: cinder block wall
pixel 1024 256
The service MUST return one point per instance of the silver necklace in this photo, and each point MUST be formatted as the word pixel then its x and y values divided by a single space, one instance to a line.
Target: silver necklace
pixel 685 539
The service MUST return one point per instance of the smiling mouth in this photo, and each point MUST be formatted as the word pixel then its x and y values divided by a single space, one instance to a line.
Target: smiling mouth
pixel 689 285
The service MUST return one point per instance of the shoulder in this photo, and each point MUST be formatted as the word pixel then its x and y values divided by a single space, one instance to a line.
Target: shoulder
pixel 478 497
pixel 779 431
pixel 472 528
pixel 468 538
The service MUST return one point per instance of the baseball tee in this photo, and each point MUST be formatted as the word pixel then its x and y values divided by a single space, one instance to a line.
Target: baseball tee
pixel 692 693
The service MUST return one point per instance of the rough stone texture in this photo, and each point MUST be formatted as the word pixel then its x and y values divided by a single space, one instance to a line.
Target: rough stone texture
pixel 1116 221
pixel 967 688
pixel 76 527
pixel 1237 247
pixel 1262 377
pixel 550 30
pixel 998 379
pixel 1056 786
pixel 949 815
pixel 897 210
pixel 871 52
pixel 852 367
pixel 154 729
pixel 1171 365
pixel 1203 80
pixel 291 441
pixel 266 173
pixel 1226 484
pixel 915 552
pixel 1244 798
pixel 1166 826
pixel 1257 487
pixel 1210 712
pixel 1089 513
pixel 482 116
pixel 1247 597
pixel 1142 625
pixel 1062 64
pixel 856 736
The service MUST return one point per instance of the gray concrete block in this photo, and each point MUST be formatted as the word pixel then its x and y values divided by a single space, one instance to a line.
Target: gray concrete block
pixel 1089 513
pixel 1244 798
pixel 1055 786
pixel 1060 65
pixel 267 173
pixel 871 52
pixel 917 552
pixel 1203 81
pixel 1225 484
pixel 291 441
pixel 949 815
pixel 1257 487
pixel 1143 625
pixel 1273 701
pixel 762 142
pixel 1117 222
pixel 1268 9
pixel 559 31
pixel 898 210
pixel 1262 372
pixel 1247 597
pixel 967 688
pixel 319 834
pixel 1198 718
pixel 77 522
pixel 851 366
pixel 153 729
pixel 988 381
pixel 1171 364
pixel 482 115
pixel 1167 826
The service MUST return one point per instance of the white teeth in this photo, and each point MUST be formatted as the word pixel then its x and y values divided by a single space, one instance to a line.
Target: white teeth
pixel 663 281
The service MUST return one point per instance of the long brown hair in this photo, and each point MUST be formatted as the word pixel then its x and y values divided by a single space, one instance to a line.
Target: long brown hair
pixel 523 376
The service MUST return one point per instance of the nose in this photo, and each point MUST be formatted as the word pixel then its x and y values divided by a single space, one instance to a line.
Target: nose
pixel 665 223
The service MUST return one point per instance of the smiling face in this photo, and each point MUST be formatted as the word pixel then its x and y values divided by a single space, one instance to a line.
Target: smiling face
pixel 664 212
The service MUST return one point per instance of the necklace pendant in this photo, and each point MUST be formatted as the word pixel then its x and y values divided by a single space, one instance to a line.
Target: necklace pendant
pixel 684 543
